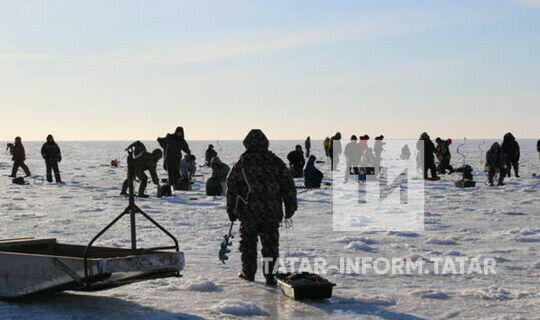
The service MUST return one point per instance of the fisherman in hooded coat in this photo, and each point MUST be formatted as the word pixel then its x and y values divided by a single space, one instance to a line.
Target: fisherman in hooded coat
pixel 297 162
pixel 307 145
pixel 217 183
pixel 426 150
pixel 312 176
pixel 18 155
pixel 496 163
pixel 52 156
pixel 335 150
pixel 259 187
pixel 209 155
pixel 510 147
pixel 145 161
pixel 353 156
pixel 173 145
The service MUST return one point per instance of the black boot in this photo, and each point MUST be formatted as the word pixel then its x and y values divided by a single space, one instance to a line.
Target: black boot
pixel 246 277
pixel 271 280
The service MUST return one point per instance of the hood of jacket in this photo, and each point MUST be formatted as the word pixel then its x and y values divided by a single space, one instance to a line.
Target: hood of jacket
pixel 256 141
pixel 509 137
pixel 495 147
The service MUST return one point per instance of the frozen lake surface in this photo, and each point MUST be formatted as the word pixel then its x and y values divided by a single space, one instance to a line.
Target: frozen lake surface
pixel 502 222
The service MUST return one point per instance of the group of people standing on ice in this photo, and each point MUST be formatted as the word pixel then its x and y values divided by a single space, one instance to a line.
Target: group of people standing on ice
pixel 502 158
pixel 433 158
pixel 49 151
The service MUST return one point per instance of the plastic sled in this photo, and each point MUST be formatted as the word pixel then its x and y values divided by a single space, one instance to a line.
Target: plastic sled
pixel 304 286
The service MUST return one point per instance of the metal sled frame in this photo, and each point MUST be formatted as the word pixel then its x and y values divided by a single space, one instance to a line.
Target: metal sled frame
pixel 131 210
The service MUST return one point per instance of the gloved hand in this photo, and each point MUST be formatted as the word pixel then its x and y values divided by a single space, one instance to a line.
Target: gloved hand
pixel 232 217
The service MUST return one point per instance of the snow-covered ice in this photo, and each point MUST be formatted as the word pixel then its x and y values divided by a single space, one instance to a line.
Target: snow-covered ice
pixel 500 222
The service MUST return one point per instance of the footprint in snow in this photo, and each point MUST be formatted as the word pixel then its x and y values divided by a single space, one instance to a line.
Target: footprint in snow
pixel 430 294
pixel 444 242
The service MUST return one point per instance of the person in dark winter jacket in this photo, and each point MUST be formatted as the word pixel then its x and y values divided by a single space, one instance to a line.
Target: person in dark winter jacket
pixel 52 156
pixel 307 145
pixel 312 176
pixel 352 157
pixel 144 162
pixel 259 186
pixel 442 150
pixel 426 150
pixel 209 155
pixel 188 166
pixel 217 183
pixel 173 145
pixel 335 150
pixel 405 153
pixel 510 148
pixel 297 162
pixel 538 148
pixel 326 145
pixel 18 157
pixel 378 148
pixel 363 143
pixel 496 163
pixel 137 147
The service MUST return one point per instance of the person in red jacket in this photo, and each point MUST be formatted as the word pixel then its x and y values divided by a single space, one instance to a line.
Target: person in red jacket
pixel 18 157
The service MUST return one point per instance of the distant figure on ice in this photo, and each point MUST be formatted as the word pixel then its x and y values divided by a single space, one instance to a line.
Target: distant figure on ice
pixel 426 150
pixel 467 179
pixel 496 163
pixel 442 150
pixel 144 161
pixel 52 156
pixel 378 148
pixel 363 143
pixel 217 183
pixel 538 148
pixel 352 157
pixel 297 162
pixel 188 166
pixel 405 153
pixel 18 157
pixel 335 150
pixel 173 145
pixel 259 186
pixel 307 144
pixel 326 145
pixel 510 148
pixel 209 155
pixel 312 176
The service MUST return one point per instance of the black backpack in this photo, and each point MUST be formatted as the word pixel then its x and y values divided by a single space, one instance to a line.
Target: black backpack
pixel 164 191
pixel 213 187
pixel 184 184
pixel 20 181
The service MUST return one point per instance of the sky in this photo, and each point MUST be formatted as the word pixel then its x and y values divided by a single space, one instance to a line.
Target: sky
pixel 127 70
